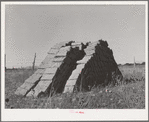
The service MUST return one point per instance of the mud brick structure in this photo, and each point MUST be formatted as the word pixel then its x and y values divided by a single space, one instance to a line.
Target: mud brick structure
pixel 73 66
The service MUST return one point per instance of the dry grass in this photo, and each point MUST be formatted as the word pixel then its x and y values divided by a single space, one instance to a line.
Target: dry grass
pixel 130 94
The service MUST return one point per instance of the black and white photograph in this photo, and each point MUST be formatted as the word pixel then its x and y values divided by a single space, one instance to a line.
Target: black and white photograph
pixel 73 59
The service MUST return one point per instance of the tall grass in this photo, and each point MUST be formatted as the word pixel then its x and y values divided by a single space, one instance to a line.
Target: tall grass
pixel 128 94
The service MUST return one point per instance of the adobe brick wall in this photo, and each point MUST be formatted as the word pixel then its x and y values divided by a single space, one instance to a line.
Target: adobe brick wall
pixel 73 66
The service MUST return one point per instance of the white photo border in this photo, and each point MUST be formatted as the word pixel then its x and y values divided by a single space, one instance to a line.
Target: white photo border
pixel 67 114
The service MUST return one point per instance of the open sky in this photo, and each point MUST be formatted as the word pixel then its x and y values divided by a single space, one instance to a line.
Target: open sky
pixel 36 28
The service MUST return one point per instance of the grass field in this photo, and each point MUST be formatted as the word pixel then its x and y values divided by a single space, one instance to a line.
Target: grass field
pixel 129 95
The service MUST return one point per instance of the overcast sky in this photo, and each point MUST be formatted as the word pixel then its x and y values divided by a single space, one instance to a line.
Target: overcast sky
pixel 36 28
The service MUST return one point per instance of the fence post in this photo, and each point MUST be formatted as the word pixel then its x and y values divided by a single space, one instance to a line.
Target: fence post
pixel 134 65
pixel 5 63
pixel 34 62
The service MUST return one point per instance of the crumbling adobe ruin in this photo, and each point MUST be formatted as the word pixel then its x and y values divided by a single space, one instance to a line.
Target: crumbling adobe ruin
pixel 73 66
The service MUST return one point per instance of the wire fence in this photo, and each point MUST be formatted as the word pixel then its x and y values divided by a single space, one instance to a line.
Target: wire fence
pixel 22 64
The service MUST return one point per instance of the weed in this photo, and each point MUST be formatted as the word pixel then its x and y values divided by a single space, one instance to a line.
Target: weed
pixel 128 94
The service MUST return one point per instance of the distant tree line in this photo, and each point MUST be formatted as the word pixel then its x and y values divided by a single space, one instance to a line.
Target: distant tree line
pixel 22 68
pixel 128 64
